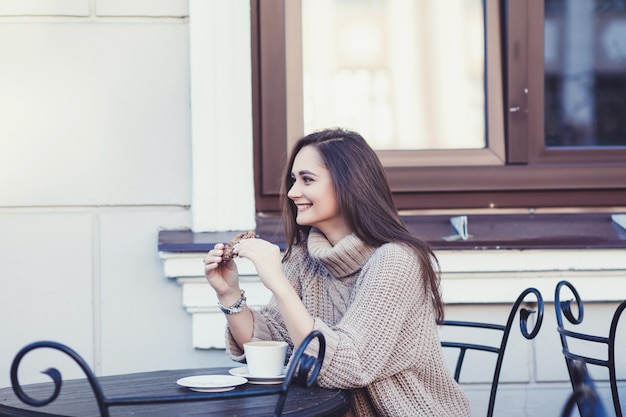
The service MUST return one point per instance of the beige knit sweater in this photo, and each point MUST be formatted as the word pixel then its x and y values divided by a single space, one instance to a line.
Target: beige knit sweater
pixel 379 326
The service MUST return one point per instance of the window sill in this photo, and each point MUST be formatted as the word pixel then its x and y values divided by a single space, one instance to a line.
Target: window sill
pixel 502 231
pixel 543 249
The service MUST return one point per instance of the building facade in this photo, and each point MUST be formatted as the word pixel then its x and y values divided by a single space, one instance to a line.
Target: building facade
pixel 118 119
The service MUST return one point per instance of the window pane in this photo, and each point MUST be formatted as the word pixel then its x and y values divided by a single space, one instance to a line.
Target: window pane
pixel 585 73
pixel 406 74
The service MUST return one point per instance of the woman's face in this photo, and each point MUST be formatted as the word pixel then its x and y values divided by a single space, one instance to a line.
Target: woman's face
pixel 313 194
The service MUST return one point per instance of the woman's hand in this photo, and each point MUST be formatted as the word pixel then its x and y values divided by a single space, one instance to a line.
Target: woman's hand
pixel 221 275
pixel 266 258
pixel 224 278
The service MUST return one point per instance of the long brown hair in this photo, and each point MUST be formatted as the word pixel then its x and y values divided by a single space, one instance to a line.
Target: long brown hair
pixel 364 199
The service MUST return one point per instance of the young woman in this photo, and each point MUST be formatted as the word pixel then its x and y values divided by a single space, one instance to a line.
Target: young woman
pixel 354 272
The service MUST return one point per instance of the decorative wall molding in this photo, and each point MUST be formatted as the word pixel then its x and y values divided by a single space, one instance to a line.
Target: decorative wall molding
pixel 471 277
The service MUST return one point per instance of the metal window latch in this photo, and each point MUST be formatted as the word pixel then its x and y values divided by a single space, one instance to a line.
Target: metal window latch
pixel 459 227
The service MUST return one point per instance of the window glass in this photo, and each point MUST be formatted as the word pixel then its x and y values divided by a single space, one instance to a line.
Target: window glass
pixel 408 75
pixel 448 139
pixel 585 73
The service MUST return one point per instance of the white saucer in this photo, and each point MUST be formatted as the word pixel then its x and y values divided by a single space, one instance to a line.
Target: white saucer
pixel 211 383
pixel 242 372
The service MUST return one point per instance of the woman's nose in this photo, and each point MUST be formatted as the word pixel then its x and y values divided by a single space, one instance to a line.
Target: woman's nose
pixel 293 191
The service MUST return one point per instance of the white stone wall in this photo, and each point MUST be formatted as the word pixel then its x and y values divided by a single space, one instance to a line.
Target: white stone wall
pixel 95 159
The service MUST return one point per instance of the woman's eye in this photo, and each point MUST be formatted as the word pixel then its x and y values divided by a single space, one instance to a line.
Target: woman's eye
pixel 307 180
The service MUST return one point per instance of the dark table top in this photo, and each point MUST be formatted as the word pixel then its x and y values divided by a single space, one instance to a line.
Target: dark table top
pixel 77 398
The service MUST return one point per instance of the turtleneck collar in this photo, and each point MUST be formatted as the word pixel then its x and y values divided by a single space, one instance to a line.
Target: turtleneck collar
pixel 346 258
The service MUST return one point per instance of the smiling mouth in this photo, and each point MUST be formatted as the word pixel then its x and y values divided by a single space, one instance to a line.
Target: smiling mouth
pixel 302 207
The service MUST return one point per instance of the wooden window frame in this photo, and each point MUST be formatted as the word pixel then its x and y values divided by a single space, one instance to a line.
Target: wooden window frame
pixel 530 176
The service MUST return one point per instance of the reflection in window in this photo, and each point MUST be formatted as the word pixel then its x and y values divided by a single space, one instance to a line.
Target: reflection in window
pixel 405 74
pixel 585 73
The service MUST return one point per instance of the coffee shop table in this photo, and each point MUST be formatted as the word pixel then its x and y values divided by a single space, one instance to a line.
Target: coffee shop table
pixel 175 392
pixel 77 398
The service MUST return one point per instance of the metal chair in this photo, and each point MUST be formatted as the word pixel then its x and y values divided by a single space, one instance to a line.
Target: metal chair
pixel 498 349
pixel 585 394
pixel 564 308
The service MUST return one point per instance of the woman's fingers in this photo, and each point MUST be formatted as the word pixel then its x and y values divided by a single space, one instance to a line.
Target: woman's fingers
pixel 214 255
pixel 266 258
pixel 256 248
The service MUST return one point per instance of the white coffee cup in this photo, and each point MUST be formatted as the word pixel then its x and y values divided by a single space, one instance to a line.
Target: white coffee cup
pixel 265 358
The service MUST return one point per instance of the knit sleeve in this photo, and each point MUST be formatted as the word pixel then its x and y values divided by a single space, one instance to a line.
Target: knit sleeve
pixel 389 323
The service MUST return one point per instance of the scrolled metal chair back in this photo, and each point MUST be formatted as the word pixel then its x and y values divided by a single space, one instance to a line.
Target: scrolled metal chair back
pixel 563 309
pixel 304 368
pixel 524 315
pixel 585 394
pixel 56 376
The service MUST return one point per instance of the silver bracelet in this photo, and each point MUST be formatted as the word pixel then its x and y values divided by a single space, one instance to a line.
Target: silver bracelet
pixel 235 308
